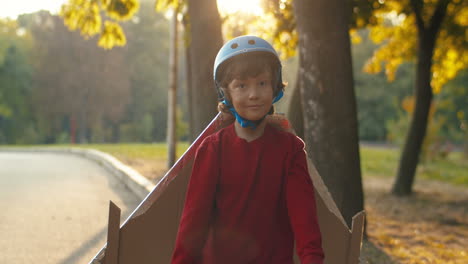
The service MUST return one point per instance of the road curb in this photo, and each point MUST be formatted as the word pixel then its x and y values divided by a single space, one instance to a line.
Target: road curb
pixel 135 182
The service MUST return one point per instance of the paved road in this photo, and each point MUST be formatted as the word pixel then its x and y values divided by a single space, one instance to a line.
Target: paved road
pixel 54 208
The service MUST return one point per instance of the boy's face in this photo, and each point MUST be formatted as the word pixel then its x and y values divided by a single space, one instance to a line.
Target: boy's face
pixel 252 97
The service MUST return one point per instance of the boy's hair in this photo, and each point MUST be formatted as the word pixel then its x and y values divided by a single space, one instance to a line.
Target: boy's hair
pixel 246 65
pixel 250 65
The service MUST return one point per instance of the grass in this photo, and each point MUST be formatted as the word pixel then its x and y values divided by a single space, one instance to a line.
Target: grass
pixel 128 150
pixel 375 161
pixel 150 160
pixel 379 162
pixel 137 151
pixel 453 169
pixel 383 162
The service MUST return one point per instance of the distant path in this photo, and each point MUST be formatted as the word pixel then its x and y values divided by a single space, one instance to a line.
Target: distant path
pixel 377 144
pixel 54 208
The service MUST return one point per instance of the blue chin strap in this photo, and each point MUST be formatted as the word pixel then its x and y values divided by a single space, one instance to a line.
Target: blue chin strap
pixel 245 122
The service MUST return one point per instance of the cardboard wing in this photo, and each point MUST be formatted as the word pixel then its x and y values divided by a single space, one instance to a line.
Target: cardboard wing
pixel 149 233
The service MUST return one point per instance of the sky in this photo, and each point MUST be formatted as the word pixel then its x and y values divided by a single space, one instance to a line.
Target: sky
pixel 13 8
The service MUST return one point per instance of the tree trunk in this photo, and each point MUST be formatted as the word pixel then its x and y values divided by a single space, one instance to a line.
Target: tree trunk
pixel 115 132
pixel 172 94
pixel 417 131
pixel 328 99
pixel 295 115
pixel 188 79
pixel 83 122
pixel 205 41
pixel 82 127
pixel 189 95
pixel 72 129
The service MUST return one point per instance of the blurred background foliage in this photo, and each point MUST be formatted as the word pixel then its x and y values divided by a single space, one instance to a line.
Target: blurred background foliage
pixel 57 87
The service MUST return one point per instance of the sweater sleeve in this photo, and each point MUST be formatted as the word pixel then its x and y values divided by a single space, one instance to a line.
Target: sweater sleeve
pixel 198 208
pixel 302 208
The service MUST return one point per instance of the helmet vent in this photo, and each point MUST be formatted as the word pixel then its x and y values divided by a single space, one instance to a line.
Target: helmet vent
pixel 252 42
pixel 234 46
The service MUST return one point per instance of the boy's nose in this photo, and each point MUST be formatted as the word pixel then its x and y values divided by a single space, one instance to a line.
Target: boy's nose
pixel 253 93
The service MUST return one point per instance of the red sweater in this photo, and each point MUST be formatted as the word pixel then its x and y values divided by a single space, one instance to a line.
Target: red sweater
pixel 247 202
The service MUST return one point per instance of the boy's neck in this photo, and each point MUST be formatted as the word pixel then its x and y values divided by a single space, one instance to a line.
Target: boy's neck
pixel 248 133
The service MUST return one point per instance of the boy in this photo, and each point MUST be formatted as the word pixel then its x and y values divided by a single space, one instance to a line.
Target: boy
pixel 250 195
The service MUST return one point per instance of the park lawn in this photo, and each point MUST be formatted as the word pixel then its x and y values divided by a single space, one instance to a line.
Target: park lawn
pixel 383 162
pixel 150 160
pixel 134 150
pixel 375 161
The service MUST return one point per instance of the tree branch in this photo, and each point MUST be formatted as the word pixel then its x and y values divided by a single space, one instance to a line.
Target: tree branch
pixel 439 15
pixel 417 6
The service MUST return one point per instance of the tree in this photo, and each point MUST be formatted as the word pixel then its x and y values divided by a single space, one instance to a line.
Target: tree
pixel 412 29
pixel 87 16
pixel 328 100
pixel 452 107
pixel 205 41
pixel 378 100
pixel 205 35
pixel 16 121
pixel 146 51
pixel 75 79
pixel 204 38
pixel 172 94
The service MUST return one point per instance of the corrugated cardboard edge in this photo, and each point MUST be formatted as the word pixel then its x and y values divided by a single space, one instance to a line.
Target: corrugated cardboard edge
pixel 357 231
pixel 113 235
pixel 344 243
pixel 322 189
pixel 157 190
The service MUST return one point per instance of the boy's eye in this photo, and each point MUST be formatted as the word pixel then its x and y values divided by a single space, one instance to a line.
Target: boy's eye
pixel 241 85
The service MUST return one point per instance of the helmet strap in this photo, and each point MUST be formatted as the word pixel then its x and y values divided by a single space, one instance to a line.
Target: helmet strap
pixel 278 96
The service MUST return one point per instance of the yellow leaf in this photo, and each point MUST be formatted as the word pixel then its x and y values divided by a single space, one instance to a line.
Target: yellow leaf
pixel 379 33
pixel 372 66
pixel 164 5
pixel 360 22
pixel 121 9
pixel 462 17
pixel 355 37
pixel 111 36
pixel 408 104
pixel 83 15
